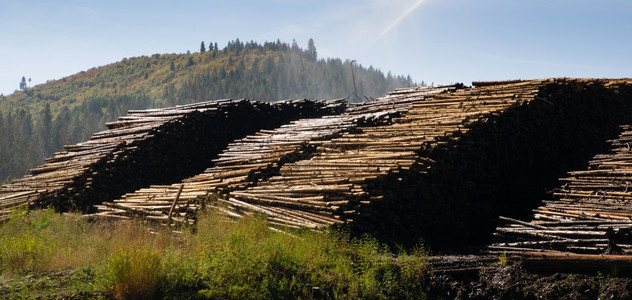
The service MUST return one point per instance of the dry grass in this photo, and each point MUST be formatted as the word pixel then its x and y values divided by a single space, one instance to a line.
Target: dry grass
pixel 219 259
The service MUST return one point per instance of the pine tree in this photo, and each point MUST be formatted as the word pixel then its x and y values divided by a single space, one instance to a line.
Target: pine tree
pixel 44 130
pixel 202 47
pixel 23 83
pixel 312 55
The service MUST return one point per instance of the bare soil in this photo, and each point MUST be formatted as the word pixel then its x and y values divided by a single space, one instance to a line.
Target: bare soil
pixel 511 281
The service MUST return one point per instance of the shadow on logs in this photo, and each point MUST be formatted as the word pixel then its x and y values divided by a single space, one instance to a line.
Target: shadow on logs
pixel 502 166
pixel 179 149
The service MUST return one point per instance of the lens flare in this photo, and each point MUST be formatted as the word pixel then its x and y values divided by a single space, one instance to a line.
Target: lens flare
pixel 397 21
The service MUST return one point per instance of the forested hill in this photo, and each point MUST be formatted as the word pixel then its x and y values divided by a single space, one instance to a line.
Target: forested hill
pixel 39 120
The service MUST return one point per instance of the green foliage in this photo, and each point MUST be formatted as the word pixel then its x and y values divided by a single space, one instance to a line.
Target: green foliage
pixel 502 259
pixel 23 244
pixel 219 259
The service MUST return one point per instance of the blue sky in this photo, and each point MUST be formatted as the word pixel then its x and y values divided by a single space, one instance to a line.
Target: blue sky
pixel 436 41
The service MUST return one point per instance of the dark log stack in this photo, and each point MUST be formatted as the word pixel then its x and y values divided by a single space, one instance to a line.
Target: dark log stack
pixel 591 215
pixel 156 146
pixel 502 164
pixel 256 158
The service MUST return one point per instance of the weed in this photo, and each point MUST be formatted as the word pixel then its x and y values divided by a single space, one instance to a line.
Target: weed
pixel 502 259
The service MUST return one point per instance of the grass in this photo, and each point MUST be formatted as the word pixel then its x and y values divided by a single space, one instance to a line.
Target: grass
pixel 43 254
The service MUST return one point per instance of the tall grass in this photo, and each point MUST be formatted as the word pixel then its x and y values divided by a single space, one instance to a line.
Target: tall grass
pixel 218 258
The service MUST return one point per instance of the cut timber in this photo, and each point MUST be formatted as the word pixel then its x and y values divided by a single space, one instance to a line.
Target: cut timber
pixel 578 263
pixel 155 146
pixel 593 203
pixel 258 157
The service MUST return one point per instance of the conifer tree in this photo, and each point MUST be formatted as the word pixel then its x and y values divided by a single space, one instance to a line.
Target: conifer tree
pixel 311 51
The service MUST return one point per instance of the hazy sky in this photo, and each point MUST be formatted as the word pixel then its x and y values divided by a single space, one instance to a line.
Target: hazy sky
pixel 436 41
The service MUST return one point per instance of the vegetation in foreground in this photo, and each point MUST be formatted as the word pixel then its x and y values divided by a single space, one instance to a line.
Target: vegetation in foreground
pixel 47 255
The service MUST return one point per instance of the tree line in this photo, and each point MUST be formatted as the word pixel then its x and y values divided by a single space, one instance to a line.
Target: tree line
pixel 40 120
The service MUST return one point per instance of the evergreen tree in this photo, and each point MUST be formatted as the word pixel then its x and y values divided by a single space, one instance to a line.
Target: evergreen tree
pixel 202 47
pixel 44 127
pixel 4 150
pixel 311 51
pixel 23 83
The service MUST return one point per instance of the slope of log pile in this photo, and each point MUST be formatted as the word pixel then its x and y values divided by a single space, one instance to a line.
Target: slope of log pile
pixel 255 158
pixel 446 169
pixel 591 215
pixel 334 186
pixel 149 146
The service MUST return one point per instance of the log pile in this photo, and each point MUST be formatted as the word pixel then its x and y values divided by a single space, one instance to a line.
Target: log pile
pixel 465 155
pixel 256 158
pixel 447 168
pixel 592 212
pixel 344 179
pixel 437 163
pixel 149 146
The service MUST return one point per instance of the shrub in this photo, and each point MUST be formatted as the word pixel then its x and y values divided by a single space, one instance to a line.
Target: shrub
pixel 135 273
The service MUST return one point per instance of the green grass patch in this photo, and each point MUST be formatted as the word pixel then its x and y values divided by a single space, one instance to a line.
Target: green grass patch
pixel 218 258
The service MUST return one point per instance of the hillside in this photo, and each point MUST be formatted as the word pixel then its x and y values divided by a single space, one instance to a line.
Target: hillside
pixel 38 121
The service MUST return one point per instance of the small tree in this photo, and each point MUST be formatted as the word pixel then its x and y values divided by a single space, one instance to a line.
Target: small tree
pixel 23 83
pixel 202 47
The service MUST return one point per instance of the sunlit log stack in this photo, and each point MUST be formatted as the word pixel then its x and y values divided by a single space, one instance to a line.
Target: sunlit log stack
pixel 255 158
pixel 592 213
pixel 149 146
pixel 332 186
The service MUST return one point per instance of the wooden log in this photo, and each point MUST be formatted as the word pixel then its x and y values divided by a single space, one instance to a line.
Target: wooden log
pixel 578 263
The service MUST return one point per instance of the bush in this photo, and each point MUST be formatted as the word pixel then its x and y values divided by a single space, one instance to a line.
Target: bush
pixel 135 273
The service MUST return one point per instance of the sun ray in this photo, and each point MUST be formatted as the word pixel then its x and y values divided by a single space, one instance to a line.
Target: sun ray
pixel 392 25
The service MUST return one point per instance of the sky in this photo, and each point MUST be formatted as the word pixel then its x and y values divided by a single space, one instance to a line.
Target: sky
pixel 435 41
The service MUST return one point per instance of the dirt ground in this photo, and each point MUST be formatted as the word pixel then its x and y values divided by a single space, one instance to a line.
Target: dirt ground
pixel 494 281
pixel 511 281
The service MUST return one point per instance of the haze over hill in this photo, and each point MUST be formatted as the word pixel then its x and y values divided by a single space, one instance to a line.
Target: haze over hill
pixel 40 120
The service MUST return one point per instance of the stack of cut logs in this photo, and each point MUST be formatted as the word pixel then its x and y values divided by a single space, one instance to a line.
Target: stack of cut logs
pixel 345 169
pixel 256 158
pixel 149 146
pixel 332 186
pixel 440 163
pixel 592 213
